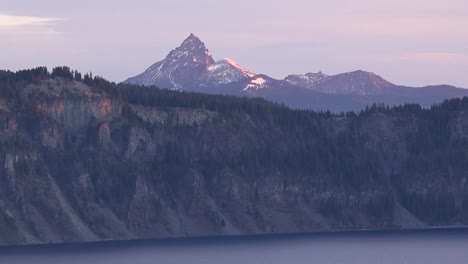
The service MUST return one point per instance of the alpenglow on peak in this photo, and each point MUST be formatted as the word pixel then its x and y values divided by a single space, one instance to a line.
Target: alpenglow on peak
pixel 192 67
pixel 180 68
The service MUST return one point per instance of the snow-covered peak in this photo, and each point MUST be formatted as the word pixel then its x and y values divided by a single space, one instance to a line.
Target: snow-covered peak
pixel 192 50
pixel 181 66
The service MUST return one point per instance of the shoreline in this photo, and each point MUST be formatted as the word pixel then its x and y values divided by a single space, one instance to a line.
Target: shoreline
pixel 104 245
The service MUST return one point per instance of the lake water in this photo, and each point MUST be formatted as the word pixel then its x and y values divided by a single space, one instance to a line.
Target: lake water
pixel 446 246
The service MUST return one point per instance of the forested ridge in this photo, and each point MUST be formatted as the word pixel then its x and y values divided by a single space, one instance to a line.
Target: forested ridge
pixel 134 161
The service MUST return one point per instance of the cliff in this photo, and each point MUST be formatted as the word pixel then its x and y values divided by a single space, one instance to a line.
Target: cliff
pixel 92 160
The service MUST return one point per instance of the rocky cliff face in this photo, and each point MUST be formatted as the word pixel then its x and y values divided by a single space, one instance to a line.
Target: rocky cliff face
pixel 79 163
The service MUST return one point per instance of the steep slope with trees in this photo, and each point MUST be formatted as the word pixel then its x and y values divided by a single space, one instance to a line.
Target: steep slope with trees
pixel 84 159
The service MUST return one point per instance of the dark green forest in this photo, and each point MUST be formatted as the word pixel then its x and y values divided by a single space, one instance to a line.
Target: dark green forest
pixel 370 161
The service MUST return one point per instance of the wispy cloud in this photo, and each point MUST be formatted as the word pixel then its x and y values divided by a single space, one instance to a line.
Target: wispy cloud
pixel 7 21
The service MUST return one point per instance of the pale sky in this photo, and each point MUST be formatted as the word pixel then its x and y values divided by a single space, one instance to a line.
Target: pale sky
pixel 408 42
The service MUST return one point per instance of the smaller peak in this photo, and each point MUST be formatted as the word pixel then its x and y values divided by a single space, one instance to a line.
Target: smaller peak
pixel 238 67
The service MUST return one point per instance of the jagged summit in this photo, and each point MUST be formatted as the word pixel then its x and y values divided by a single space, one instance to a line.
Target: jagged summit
pixel 191 66
pixel 193 44
pixel 180 68
pixel 191 51
pixel 192 39
pixel 192 36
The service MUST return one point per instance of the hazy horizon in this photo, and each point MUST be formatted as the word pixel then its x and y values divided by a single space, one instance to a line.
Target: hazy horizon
pixel 417 43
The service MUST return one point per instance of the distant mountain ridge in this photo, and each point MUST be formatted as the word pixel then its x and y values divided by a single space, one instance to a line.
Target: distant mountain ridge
pixel 191 67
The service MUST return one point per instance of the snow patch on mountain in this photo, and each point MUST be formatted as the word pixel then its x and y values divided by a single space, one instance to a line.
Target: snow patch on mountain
pixel 226 71
pixel 256 83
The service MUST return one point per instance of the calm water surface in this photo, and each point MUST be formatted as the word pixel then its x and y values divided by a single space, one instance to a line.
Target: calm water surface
pixel 444 246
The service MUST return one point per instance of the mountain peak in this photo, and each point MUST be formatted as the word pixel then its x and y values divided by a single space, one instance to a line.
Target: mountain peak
pixel 181 66
pixel 193 40
pixel 193 49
